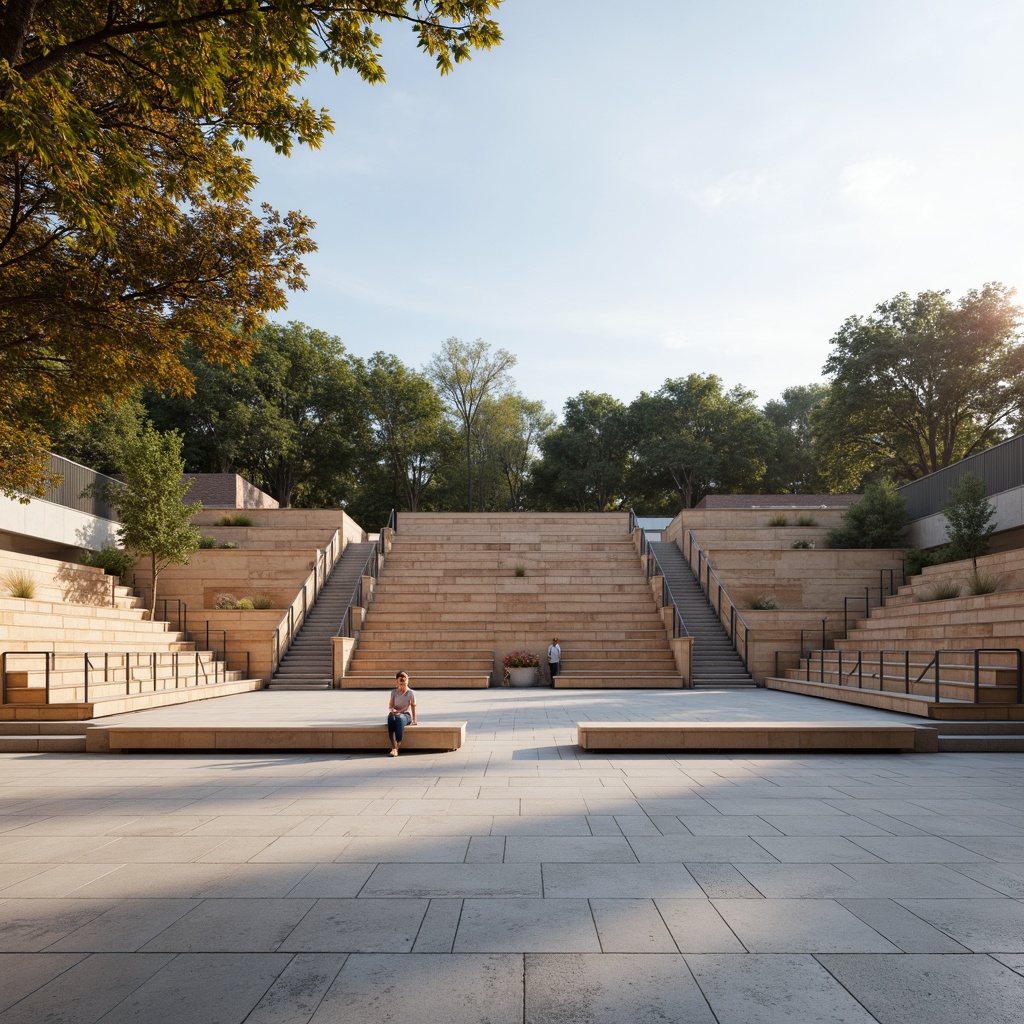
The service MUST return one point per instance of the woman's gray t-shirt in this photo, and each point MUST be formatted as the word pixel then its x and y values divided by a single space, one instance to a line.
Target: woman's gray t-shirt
pixel 401 701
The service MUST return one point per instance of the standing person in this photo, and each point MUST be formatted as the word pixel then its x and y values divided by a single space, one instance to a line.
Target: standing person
pixel 554 658
pixel 401 711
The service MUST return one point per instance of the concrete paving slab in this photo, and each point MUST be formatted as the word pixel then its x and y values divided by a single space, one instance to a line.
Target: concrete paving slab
pixel 298 990
pixel 816 850
pixel 631 926
pixel 125 928
pixel 696 926
pixel 406 849
pixel 705 849
pixel 723 881
pixel 461 989
pixel 437 932
pixel 500 881
pixel 357 926
pixel 759 989
pixel 612 989
pixel 901 927
pixel 21 975
pixel 568 849
pixel 621 881
pixel 525 925
pixel 232 926
pixel 982 925
pixel 912 989
pixel 920 849
pixel 31 925
pixel 327 880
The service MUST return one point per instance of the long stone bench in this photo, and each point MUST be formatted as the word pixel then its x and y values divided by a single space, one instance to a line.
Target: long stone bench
pixel 755 736
pixel 103 739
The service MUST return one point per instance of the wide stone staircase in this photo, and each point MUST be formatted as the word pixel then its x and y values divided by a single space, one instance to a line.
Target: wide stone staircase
pixel 715 661
pixel 307 664
pixel 459 591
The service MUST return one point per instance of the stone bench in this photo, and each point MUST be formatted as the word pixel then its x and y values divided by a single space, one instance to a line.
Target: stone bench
pixel 102 739
pixel 755 736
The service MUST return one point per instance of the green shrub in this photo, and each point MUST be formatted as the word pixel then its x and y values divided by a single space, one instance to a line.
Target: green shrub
pixel 113 561
pixel 262 602
pixel 207 542
pixel 520 570
pixel 245 605
pixel 968 513
pixel 802 544
pixel 764 604
pixel 20 583
pixel 878 520
pixel 779 520
pixel 228 545
pixel 982 583
pixel 225 602
pixel 916 559
pixel 807 521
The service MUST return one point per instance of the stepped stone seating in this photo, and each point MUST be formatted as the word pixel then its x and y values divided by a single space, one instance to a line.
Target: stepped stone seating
pixel 888 658
pixel 449 603
pixel 78 611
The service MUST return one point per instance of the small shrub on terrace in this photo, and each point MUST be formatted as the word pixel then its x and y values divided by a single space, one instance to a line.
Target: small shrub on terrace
pixel 228 545
pixel 779 520
pixel 878 520
pixel 982 583
pixel 944 590
pixel 521 659
pixel 245 605
pixel 113 561
pixel 764 604
pixel 225 602
pixel 802 544
pixel 520 570
pixel 207 542
pixel 239 519
pixel 806 521
pixel 915 559
pixel 20 584
pixel 262 602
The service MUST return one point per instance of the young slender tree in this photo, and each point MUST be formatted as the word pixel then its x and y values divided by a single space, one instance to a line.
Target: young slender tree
pixel 156 524
pixel 466 373
pixel 968 514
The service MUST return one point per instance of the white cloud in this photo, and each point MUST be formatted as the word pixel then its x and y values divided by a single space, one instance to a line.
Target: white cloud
pixel 877 184
pixel 739 187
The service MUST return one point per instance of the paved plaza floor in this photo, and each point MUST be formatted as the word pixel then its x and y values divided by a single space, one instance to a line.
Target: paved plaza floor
pixel 515 881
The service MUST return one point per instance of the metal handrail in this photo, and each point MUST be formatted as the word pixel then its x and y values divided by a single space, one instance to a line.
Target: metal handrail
pixel 650 560
pixel 374 562
pixel 735 618
pixel 933 667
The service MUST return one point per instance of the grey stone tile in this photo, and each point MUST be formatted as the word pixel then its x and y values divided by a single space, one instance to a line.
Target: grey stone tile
pixel 248 825
pixel 816 850
pixel 603 825
pixel 125 928
pixel 901 927
pixel 526 926
pixel 232 926
pixel 767 807
pixel 679 849
pixel 697 927
pixel 59 880
pixel 87 990
pixel 982 925
pixel 723 881
pixel 371 825
pixel 568 849
pixel 799 926
pixel 612 989
pixel 757 989
pixel 621 881
pixel 938 989
pixel 546 825
pixel 298 990
pixel 463 989
pixel 631 926
pixel 823 825
pixel 670 825
pixel 212 987
pixel 448 825
pixel 256 881
pixel 406 850
pixel 728 825
pixel 1006 849
pixel 918 849
pixel 169 881
pixel 455 880
pixel 677 807
pixel 358 926
pixel 486 850
pixel 1015 961
pixel 30 925
pixel 148 850
pixel 951 825
pixel 318 849
pixel 21 974
pixel 1007 879
pixel 52 849
pixel 437 932
pixel 331 880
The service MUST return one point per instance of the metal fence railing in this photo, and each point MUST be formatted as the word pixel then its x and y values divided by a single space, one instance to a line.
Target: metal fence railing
pixel 79 487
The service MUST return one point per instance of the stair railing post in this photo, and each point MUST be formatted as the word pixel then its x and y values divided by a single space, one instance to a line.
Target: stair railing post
pixel 839 664
pixel 977 675
pixel 938 693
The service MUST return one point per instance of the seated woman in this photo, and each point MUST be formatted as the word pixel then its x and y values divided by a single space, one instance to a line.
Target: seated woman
pixel 401 711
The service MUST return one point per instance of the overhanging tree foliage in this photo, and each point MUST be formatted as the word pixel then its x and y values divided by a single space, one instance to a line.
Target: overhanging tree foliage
pixel 125 218
pixel 921 384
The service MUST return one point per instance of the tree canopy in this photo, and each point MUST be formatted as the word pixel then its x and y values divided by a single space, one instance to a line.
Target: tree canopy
pixel 920 384
pixel 126 225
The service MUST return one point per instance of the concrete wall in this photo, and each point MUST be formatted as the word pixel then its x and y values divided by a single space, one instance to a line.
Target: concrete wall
pixel 227 490
pixel 930 532
pixel 43 528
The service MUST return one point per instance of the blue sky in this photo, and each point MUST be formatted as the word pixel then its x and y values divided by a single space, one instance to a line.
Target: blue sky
pixel 625 193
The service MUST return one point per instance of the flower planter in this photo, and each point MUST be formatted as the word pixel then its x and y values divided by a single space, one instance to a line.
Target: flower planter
pixel 522 676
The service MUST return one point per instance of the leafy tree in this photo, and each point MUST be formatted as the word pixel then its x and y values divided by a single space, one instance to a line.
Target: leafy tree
pixel 968 514
pixel 127 225
pixel 467 373
pixel 921 384
pixel 584 460
pixel 697 438
pixel 791 465
pixel 290 421
pixel 518 425
pixel 155 521
pixel 878 520
pixel 407 425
